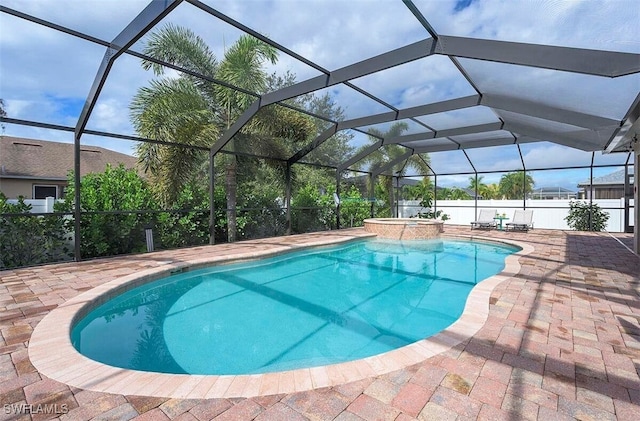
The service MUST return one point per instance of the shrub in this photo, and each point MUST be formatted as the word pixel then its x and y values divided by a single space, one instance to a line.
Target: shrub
pixel 30 239
pixel 586 217
pixel 312 211
pixel 181 229
pixel 353 206
pixel 261 212
pixel 429 213
pixel 115 189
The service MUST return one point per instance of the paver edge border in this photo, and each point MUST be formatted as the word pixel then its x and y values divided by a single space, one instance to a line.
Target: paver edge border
pixel 53 355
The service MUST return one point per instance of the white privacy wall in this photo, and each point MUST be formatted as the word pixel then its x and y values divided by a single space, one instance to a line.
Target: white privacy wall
pixel 461 212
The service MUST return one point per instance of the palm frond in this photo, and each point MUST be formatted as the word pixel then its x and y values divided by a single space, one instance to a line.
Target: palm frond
pixel 242 66
pixel 182 47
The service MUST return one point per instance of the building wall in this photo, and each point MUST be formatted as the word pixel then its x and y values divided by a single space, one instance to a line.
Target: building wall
pixel 603 192
pixel 14 187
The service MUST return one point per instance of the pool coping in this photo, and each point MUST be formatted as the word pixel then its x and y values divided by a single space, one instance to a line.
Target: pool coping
pixel 52 353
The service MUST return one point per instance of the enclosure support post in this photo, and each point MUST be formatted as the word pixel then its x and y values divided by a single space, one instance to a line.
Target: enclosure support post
pixel 435 191
pixel 76 206
pixel 212 202
pixel 625 197
pixel 288 197
pixel 593 154
pixel 636 198
pixel 475 201
pixel 371 192
pixel 397 196
pixel 338 173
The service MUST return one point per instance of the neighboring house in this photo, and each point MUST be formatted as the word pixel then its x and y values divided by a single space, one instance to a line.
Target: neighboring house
pixel 610 186
pixel 552 193
pixel 38 169
pixel 471 192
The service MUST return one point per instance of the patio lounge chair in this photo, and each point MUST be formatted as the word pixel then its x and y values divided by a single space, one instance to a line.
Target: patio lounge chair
pixel 485 219
pixel 522 221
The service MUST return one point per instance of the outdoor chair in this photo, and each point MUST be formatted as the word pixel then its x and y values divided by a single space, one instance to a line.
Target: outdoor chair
pixel 485 219
pixel 522 221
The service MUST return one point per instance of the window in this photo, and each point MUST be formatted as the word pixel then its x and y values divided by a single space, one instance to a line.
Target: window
pixel 44 191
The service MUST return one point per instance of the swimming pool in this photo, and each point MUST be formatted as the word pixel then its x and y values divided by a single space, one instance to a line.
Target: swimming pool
pixel 300 309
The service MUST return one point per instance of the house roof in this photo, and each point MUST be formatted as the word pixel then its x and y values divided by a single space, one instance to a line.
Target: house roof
pixel 615 178
pixel 29 158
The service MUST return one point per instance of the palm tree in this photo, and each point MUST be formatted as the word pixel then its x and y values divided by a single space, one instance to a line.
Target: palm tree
pixel 491 191
pixel 515 185
pixel 389 153
pixel 194 111
pixel 476 185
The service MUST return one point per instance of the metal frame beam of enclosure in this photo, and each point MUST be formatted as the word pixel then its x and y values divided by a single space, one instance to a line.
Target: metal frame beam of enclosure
pixel 20 122
pixel 141 56
pixel 383 61
pixel 574 60
pixel 458 131
pixel 417 111
pixel 140 25
pixel 594 132
pixel 357 157
pixel 323 137
pixel 546 112
pixel 576 142
pixel 392 163
pixel 629 128
pixel 422 110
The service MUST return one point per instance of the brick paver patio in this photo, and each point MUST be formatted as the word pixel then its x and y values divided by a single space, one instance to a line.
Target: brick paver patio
pixel 562 341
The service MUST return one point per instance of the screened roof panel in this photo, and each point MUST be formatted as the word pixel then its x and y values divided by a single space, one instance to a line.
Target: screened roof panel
pixel 552 182
pixel 338 148
pixel 219 36
pixel 412 127
pixel 332 33
pixel 601 96
pixel 495 134
pixel 486 159
pixel 537 104
pixel 450 162
pixel 565 134
pixel 432 144
pixel 460 118
pixel 353 102
pixel 49 86
pixel 433 79
pixel 611 158
pixel 611 25
pixel 111 112
pixel 103 19
pixel 542 155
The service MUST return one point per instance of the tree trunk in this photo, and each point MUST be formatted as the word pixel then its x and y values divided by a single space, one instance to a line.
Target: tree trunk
pixel 231 185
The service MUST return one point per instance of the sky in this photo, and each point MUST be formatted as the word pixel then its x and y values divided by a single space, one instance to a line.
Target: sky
pixel 45 75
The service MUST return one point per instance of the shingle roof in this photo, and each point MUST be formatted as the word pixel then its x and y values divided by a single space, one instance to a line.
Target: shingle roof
pixel 616 177
pixel 541 190
pixel 53 160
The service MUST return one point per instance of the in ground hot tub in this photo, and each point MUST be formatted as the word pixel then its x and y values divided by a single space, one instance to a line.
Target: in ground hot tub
pixel 404 228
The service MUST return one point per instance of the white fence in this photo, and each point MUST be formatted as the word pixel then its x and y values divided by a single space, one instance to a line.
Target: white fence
pixel 39 205
pixel 546 213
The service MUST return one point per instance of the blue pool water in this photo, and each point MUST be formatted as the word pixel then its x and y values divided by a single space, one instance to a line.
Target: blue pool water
pixel 301 309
